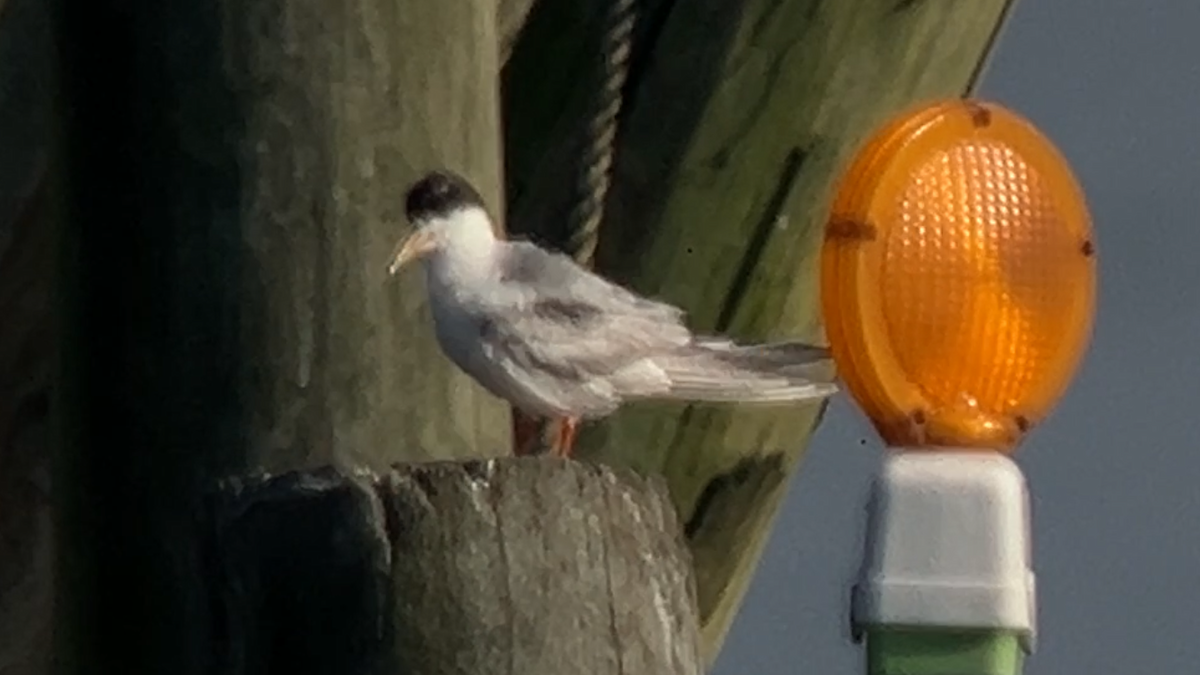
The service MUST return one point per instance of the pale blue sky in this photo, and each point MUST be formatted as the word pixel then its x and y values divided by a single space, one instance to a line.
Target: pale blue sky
pixel 1114 471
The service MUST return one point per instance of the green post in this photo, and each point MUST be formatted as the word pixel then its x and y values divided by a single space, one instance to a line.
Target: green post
pixel 926 651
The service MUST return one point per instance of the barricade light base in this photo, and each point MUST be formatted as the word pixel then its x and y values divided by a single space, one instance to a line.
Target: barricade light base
pixel 900 651
pixel 947 557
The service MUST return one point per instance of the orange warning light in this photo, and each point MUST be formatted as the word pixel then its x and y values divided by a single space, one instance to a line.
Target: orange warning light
pixel 958 277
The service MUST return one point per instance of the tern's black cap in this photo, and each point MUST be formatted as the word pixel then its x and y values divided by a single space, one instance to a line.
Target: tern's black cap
pixel 438 194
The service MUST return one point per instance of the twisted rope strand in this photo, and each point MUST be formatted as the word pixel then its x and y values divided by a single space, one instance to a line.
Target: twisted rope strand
pixel 597 156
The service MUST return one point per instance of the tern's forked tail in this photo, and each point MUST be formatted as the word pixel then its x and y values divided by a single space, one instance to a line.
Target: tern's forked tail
pixel 719 371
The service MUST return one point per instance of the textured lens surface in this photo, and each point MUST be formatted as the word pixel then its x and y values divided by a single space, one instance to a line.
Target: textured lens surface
pixel 977 279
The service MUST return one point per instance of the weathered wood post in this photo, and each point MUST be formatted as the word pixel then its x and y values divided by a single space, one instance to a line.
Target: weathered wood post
pixel 480 568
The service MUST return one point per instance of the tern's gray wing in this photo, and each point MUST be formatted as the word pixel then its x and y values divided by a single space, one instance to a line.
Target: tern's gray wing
pixel 569 329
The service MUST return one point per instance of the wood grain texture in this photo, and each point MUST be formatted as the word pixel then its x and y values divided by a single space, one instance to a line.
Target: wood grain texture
pixel 495 567
pixel 342 112
pixel 237 176
pixel 740 115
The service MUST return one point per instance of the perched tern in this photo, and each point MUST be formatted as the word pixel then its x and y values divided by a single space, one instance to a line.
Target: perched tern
pixel 556 340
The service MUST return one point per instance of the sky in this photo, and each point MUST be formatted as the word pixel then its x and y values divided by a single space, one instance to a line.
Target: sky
pixel 1113 471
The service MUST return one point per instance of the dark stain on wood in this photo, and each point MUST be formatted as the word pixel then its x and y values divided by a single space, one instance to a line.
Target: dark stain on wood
pixel 725 485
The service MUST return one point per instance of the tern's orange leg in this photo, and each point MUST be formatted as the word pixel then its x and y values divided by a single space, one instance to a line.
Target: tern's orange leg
pixel 568 429
pixel 526 433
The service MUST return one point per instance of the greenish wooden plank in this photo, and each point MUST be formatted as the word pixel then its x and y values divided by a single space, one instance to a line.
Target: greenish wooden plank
pixel 741 116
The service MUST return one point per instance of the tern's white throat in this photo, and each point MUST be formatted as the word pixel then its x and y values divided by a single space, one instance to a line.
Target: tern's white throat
pixel 466 244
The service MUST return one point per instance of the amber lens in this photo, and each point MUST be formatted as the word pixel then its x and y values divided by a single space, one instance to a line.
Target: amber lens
pixel 972 298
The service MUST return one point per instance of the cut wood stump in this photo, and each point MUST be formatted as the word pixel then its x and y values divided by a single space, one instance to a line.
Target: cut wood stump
pixel 530 566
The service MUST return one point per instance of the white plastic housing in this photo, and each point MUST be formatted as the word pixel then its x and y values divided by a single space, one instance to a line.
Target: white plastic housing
pixel 947 546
